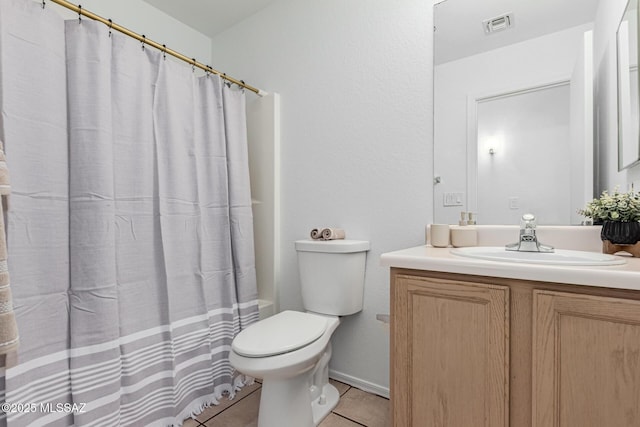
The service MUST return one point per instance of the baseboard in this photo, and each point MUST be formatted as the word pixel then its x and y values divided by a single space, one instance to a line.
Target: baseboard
pixel 360 383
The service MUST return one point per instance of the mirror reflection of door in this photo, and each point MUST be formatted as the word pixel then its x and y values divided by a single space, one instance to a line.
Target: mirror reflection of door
pixel 524 156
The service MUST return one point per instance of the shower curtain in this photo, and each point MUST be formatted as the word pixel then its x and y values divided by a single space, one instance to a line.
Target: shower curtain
pixel 130 231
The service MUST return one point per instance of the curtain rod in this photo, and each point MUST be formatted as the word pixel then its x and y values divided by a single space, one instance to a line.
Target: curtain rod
pixel 141 38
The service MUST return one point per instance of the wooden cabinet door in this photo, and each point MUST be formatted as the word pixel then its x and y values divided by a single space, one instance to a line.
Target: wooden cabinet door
pixel 450 353
pixel 586 361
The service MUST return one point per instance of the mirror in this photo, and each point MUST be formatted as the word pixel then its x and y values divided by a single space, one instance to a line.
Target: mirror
pixel 628 114
pixel 499 65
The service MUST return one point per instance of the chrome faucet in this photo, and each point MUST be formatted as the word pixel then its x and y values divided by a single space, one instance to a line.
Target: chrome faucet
pixel 528 241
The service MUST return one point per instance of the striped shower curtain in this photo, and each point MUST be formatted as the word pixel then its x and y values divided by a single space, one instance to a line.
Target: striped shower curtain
pixel 130 232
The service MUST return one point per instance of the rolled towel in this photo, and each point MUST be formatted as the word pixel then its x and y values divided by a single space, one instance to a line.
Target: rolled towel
pixel 333 233
pixel 316 233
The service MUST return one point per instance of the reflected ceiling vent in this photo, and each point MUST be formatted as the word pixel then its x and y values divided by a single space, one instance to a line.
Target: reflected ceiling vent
pixel 499 23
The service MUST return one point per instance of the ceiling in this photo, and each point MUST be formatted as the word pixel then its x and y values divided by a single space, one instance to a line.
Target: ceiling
pixel 458 23
pixel 459 31
pixel 210 17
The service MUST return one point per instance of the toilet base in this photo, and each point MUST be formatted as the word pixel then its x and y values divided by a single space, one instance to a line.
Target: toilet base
pixel 293 394
pixel 322 407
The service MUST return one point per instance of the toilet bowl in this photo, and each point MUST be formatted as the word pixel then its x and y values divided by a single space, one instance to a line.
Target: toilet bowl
pixel 293 367
pixel 291 350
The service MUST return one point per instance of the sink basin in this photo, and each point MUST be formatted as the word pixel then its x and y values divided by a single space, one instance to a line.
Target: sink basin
pixel 559 257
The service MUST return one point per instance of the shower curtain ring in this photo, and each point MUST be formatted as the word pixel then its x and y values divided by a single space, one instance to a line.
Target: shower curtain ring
pixel 164 52
pixel 193 65
pixel 43 4
pixel 79 14
pixel 144 40
pixel 110 26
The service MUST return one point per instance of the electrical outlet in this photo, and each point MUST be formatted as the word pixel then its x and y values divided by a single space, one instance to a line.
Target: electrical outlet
pixel 514 203
pixel 453 199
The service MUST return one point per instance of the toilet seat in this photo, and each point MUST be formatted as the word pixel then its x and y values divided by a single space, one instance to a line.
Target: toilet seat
pixel 282 333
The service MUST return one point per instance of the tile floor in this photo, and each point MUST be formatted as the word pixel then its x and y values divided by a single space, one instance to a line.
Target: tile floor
pixel 355 409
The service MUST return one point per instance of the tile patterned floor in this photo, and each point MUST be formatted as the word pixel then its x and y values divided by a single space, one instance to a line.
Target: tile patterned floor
pixel 355 409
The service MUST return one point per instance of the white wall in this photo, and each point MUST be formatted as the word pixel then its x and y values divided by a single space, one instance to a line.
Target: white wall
pixel 606 24
pixel 142 18
pixel 540 60
pixel 355 80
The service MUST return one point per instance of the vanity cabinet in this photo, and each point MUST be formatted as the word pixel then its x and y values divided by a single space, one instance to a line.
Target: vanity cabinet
pixel 483 351
pixel 586 360
pixel 450 346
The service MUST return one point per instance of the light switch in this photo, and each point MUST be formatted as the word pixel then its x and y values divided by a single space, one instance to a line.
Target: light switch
pixel 453 199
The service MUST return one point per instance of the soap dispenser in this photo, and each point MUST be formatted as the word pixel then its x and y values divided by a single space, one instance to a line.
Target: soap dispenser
pixel 465 234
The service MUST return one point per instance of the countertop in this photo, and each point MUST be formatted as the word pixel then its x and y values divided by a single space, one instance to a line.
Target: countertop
pixel 425 257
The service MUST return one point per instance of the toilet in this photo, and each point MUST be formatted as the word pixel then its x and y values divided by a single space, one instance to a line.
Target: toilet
pixel 291 350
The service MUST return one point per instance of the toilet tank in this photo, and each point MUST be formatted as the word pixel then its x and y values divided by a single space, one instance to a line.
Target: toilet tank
pixel 332 275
